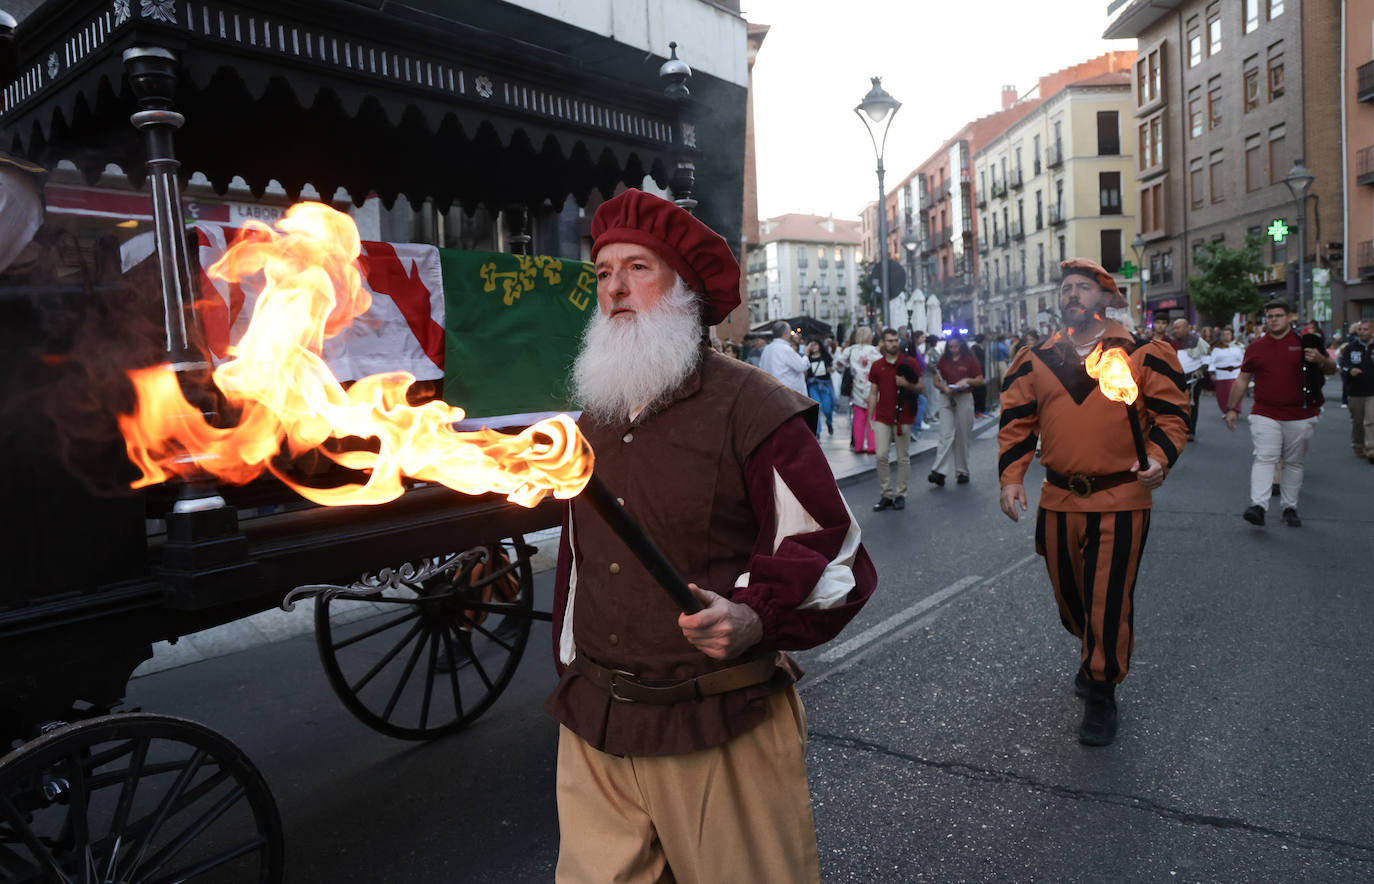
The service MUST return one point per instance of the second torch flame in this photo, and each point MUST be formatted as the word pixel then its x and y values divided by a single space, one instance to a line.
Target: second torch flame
pixel 289 402
pixel 1112 372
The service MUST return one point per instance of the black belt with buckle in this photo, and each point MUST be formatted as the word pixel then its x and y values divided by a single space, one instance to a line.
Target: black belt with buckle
pixel 630 688
pixel 1083 485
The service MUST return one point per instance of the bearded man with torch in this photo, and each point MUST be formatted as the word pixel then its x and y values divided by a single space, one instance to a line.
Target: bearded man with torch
pixel 1103 457
pixel 681 741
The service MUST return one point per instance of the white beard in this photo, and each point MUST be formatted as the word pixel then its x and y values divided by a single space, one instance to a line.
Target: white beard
pixel 633 362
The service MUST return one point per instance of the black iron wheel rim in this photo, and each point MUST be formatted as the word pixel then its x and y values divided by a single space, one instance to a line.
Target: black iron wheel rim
pixel 144 799
pixel 412 653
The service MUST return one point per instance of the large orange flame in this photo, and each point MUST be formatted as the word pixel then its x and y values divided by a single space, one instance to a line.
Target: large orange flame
pixel 289 402
pixel 1113 374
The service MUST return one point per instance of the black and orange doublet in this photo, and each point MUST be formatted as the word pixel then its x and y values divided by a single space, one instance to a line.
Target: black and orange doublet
pixel 1092 543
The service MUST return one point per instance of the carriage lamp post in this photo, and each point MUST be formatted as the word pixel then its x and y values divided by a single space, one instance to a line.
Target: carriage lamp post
pixel 1299 180
pixel 815 300
pixel 879 108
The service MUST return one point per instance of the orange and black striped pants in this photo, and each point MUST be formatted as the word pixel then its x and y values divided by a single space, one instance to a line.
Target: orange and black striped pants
pixel 1093 559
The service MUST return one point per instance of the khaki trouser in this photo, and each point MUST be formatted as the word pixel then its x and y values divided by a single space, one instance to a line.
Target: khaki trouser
pixel 738 812
pixel 1362 423
pixel 884 435
pixel 1279 446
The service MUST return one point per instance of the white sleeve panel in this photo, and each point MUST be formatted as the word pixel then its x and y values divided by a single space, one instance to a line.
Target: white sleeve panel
pixel 567 649
pixel 837 580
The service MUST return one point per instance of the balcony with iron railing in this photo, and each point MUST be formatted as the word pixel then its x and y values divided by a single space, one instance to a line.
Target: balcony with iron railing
pixel 1056 215
pixel 1016 179
pixel 1017 280
pixel 1055 156
pixel 1364 165
pixel 1364 76
pixel 999 189
pixel 1056 273
pixel 924 200
pixel 982 247
pixel 1016 231
pixel 981 201
pixel 1364 259
pixel 942 238
pixel 999 238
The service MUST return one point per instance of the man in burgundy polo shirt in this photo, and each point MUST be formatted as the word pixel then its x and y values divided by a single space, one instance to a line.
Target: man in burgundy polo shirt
pixel 1283 418
pixel 891 418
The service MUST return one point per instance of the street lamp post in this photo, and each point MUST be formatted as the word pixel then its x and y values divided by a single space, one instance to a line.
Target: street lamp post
pixel 777 304
pixel 876 108
pixel 1299 180
pixel 815 300
pixel 1138 246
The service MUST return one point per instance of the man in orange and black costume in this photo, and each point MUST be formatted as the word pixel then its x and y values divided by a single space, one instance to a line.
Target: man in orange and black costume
pixel 1094 512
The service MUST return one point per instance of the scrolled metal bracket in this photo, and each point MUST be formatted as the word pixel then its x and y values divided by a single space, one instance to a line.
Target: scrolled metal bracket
pixel 410 575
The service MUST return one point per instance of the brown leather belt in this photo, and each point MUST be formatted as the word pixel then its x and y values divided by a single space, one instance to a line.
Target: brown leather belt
pixel 629 688
pixel 1084 486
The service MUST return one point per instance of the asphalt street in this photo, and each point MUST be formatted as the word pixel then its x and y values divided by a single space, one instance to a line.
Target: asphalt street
pixel 942 722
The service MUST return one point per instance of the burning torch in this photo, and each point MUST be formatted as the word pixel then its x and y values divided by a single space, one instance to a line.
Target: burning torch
pixel 1113 374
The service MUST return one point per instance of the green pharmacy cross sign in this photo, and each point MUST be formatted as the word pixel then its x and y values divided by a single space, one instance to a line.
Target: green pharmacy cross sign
pixel 1278 231
pixel 1128 270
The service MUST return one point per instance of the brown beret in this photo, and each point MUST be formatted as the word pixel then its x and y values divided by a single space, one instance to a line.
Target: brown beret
pixel 699 255
pixel 1095 272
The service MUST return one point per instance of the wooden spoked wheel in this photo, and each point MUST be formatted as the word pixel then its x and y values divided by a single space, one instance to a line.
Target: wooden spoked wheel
pixel 425 658
pixel 136 799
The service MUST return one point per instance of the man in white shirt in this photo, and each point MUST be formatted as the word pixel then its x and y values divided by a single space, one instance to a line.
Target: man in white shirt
pixel 781 359
pixel 1192 355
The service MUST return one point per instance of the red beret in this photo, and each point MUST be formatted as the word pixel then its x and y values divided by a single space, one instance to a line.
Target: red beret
pixel 1096 272
pixel 699 255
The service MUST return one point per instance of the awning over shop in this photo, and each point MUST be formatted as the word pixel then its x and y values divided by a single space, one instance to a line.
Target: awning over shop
pixel 336 95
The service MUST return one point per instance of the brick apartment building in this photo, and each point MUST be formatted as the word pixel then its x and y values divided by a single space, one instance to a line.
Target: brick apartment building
pixel 1058 183
pixel 933 214
pixel 1356 268
pixel 1228 95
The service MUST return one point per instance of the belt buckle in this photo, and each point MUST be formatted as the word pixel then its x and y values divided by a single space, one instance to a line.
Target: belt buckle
pixel 1080 484
pixel 617 674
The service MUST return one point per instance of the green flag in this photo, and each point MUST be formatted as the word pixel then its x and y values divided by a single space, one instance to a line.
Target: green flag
pixel 511 330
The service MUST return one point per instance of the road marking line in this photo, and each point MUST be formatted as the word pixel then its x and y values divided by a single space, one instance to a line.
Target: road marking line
pixel 844 649
pixel 877 632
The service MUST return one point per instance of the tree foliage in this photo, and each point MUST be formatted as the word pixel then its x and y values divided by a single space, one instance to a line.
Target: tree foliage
pixel 868 289
pixel 1224 283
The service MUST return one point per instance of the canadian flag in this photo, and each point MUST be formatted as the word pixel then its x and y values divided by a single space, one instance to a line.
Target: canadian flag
pixel 403 330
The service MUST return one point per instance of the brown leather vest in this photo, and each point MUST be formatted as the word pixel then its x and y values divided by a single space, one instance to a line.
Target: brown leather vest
pixel 680 472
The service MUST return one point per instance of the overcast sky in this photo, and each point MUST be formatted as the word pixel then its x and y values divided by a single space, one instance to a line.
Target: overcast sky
pixel 945 61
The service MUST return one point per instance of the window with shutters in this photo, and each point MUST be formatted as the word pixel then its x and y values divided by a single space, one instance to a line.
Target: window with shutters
pixel 1108 134
pixel 1255 178
pixel 1214 103
pixel 1196 184
pixel 1252 88
pixel 1275 76
pixel 1111 250
pixel 1195 113
pixel 1279 161
pixel 1109 193
pixel 1216 176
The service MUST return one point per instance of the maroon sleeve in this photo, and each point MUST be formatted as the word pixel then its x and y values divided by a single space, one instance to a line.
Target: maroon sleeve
pixel 805 586
pixel 1249 360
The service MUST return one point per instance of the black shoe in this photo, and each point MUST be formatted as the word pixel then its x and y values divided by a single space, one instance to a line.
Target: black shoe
pixel 1099 716
pixel 1274 491
pixel 884 503
pixel 1290 518
pixel 899 502
pixel 1254 515
pixel 1080 685
pixel 936 478
pixel 963 479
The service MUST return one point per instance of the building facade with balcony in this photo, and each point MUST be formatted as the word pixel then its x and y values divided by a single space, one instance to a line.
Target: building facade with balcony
pixel 1356 266
pixel 805 264
pixel 1227 96
pixel 1060 184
